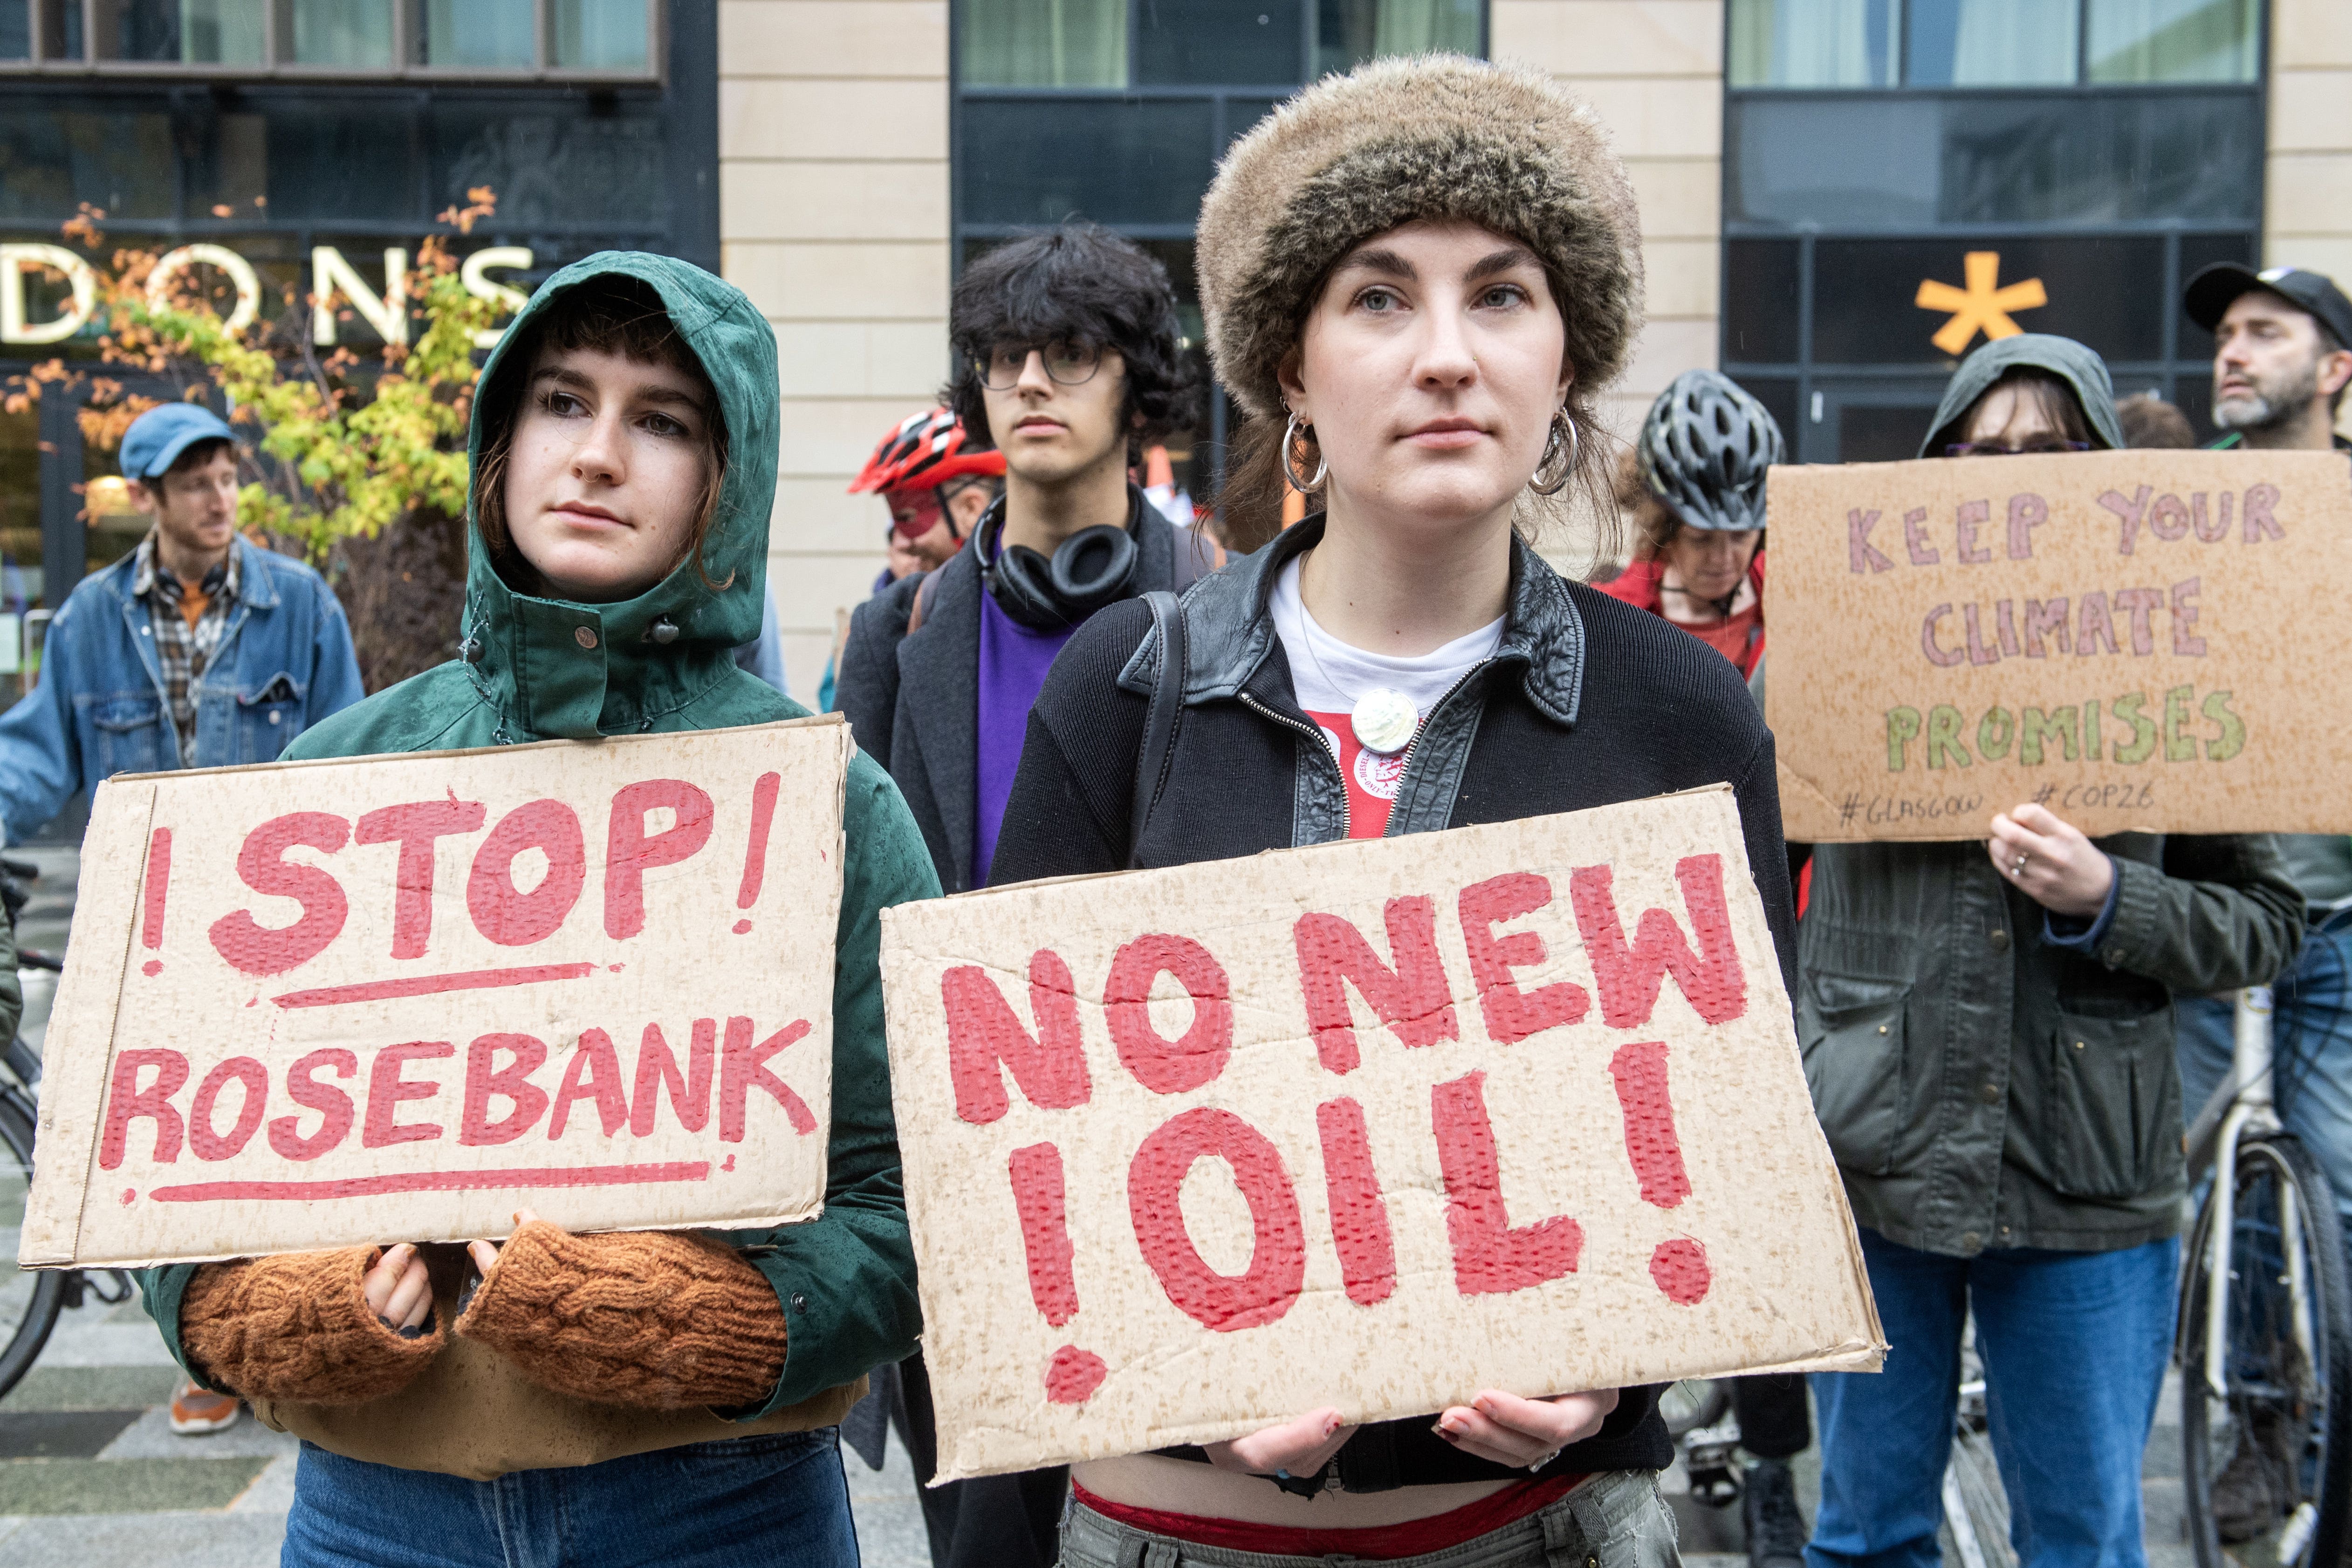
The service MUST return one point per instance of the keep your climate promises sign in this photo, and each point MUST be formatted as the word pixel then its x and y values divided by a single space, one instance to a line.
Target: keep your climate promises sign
pixel 2136 640
pixel 395 998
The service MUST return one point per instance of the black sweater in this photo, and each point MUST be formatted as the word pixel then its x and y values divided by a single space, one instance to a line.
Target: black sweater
pixel 1590 703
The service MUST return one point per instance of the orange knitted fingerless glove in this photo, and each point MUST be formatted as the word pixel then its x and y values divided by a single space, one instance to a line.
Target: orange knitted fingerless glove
pixel 297 1327
pixel 648 1318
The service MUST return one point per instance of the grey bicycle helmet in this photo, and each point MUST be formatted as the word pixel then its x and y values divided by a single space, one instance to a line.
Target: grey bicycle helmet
pixel 1703 449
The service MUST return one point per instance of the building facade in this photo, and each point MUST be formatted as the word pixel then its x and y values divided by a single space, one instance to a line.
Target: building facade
pixel 1839 197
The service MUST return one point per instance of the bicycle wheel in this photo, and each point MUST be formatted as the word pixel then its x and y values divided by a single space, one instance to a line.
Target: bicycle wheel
pixel 2265 1467
pixel 30 1299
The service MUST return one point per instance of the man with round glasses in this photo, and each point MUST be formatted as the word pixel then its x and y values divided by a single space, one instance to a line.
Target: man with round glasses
pixel 1072 364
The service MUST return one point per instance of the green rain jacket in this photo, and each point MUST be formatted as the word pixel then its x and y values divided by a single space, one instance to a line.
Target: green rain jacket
pixel 1990 1078
pixel 847 1280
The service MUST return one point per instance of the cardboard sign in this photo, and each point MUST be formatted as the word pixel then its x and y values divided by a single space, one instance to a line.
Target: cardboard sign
pixel 2135 639
pixel 1375 1124
pixel 395 999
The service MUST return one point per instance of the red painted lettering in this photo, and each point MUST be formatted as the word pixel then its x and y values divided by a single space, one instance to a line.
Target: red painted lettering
pixel 1039 1198
pixel 1490 1256
pixel 2093 626
pixel 1915 538
pixel 690 1093
pixel 2048 618
pixel 1262 1292
pixel 1511 1013
pixel 1678 1267
pixel 127 1102
pixel 1413 998
pixel 415 827
pixel 206 1141
pixel 334 1106
pixel 985 1040
pixel 257 949
pixel 387 1089
pixel 502 912
pixel 159 883
pixel 1973 516
pixel 594 1073
pixel 1937 653
pixel 1163 1065
pixel 1639 1070
pixel 2169 519
pixel 1360 1214
pixel 2142 602
pixel 1980 651
pixel 485 1079
pixel 2186 642
pixel 740 1072
pixel 629 853
pixel 1630 978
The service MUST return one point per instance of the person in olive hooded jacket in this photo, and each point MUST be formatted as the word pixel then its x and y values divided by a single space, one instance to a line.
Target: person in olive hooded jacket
pixel 1987 1026
pixel 638 1397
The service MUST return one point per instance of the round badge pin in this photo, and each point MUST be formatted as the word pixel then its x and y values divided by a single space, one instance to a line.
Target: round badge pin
pixel 1384 720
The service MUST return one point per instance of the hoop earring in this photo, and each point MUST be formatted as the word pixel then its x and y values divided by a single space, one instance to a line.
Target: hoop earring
pixel 1575 443
pixel 1322 466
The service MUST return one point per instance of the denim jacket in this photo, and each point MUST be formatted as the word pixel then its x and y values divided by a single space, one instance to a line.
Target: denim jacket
pixel 284 663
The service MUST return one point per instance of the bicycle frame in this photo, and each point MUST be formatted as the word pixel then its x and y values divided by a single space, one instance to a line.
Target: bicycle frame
pixel 2254 1109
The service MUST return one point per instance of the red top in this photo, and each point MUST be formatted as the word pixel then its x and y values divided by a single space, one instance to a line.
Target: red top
pixel 1739 639
pixel 1371 779
pixel 1378 1543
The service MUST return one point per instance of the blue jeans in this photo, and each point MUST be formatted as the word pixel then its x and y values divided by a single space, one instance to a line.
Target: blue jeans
pixel 2311 1047
pixel 777 1500
pixel 2075 1346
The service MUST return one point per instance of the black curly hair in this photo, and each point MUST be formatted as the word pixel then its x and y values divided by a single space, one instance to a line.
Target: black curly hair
pixel 1078 284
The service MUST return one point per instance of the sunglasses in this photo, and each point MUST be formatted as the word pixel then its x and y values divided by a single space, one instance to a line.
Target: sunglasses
pixel 1995 449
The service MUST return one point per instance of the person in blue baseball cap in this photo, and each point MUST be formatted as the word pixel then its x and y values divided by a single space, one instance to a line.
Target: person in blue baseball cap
pixel 198 649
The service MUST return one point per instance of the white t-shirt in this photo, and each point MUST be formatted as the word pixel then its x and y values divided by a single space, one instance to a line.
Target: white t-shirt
pixel 1329 676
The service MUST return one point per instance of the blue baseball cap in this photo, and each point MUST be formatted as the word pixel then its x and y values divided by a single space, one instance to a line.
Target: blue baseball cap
pixel 156 438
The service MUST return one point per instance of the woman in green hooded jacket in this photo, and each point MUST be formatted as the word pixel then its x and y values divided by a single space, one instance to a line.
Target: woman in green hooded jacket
pixel 645 1397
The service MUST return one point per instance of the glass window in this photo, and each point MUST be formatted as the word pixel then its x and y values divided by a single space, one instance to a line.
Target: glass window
pixel 562 164
pixel 1813 43
pixel 601 35
pixel 2198 252
pixel 1115 162
pixel 2173 41
pixel 1761 301
pixel 342 32
pixel 1870 289
pixel 16 30
pixel 51 160
pixel 1779 396
pixel 486 34
pixel 1044 43
pixel 1219 40
pixel 1989 43
pixel 222 32
pixel 330 159
pixel 61 27
pixel 1349 32
pixel 1912 160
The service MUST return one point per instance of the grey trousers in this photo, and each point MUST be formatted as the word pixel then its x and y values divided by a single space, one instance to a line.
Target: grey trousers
pixel 1616 1520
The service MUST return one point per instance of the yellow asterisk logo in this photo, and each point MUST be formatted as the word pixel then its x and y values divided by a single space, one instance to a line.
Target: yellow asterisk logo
pixel 1980 304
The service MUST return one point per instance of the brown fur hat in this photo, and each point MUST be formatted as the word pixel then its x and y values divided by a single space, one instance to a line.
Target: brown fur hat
pixel 1438 136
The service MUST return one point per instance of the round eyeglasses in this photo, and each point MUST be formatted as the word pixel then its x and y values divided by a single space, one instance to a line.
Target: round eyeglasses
pixel 1068 363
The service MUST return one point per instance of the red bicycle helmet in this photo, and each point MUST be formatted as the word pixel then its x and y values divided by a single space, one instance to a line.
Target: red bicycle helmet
pixel 924 451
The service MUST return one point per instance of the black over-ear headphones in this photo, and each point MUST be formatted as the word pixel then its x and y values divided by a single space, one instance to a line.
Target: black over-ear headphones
pixel 1088 569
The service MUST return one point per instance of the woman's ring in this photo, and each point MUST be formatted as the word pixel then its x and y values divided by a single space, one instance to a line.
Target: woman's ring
pixel 1545 1460
pixel 2019 868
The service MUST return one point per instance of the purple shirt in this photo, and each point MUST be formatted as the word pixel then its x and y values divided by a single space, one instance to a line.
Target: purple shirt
pixel 1013 665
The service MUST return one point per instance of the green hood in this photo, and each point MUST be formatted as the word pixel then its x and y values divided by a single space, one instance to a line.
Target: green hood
pixel 2072 362
pixel 579 671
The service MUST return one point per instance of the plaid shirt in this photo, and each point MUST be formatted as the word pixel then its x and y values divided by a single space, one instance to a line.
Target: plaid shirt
pixel 182 650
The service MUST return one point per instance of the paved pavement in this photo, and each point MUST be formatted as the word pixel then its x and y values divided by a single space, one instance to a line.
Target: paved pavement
pixel 90 1473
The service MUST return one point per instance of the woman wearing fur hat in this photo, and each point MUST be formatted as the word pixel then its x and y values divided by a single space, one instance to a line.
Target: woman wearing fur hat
pixel 1416 279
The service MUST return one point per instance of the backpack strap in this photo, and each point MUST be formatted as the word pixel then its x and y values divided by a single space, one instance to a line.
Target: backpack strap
pixel 925 592
pixel 1159 719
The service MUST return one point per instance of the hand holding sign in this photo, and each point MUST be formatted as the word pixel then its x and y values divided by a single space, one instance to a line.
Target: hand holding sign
pixel 2051 862
pixel 1443 1124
